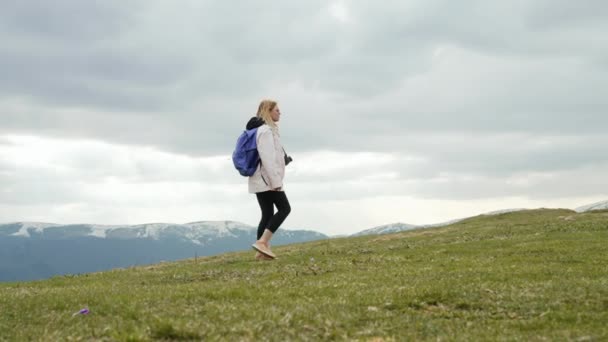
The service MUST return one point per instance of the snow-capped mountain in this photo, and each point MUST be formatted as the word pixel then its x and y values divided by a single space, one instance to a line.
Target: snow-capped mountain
pixel 502 211
pixel 387 229
pixel 24 228
pixel 401 227
pixel 595 206
pixel 196 232
pixel 34 250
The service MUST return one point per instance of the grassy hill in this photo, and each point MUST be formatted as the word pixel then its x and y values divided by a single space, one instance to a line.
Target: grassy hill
pixel 529 275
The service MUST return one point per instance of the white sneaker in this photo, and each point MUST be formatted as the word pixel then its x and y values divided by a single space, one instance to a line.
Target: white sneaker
pixel 262 257
pixel 262 249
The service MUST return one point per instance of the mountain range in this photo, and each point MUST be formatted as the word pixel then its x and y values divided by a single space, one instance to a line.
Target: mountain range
pixel 35 250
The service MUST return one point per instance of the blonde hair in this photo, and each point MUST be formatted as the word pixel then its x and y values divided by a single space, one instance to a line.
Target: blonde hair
pixel 264 110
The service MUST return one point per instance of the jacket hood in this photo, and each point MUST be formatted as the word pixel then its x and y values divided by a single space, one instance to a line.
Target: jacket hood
pixel 254 122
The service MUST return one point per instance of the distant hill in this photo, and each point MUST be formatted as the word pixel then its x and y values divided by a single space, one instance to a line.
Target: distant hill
pixel 402 227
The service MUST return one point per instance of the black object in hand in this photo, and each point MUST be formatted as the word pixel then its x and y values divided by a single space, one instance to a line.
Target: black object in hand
pixel 288 159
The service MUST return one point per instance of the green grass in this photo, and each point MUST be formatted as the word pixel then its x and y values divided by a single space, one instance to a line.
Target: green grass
pixel 532 275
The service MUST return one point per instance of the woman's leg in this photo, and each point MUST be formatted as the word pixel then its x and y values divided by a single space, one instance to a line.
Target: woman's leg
pixel 279 198
pixel 267 207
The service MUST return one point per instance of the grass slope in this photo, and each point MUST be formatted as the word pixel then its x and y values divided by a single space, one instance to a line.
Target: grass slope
pixel 530 275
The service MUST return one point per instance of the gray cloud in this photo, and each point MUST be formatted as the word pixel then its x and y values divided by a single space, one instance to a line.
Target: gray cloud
pixel 547 14
pixel 468 88
pixel 68 20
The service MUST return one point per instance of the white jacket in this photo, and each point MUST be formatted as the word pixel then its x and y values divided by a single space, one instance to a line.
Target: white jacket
pixel 271 170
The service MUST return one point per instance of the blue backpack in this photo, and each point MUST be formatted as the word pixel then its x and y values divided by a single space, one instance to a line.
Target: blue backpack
pixel 245 156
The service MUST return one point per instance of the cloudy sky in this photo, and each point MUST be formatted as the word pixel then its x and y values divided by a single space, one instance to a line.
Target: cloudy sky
pixel 420 111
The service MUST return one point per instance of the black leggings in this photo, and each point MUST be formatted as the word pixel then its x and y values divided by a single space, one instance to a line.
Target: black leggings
pixel 270 220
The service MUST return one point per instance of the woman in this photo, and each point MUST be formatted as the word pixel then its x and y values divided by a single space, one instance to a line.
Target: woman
pixel 267 181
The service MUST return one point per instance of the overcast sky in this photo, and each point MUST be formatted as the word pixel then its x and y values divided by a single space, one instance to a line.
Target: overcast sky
pixel 420 111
